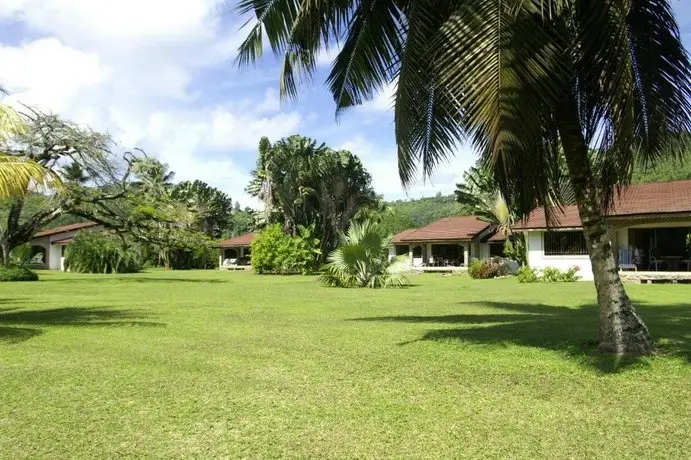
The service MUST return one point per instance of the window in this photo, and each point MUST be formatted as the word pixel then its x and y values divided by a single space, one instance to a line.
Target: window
pixel 565 244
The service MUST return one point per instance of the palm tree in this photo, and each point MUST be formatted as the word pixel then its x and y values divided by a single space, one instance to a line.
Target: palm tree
pixel 16 173
pixel 480 193
pixel 529 83
pixel 362 259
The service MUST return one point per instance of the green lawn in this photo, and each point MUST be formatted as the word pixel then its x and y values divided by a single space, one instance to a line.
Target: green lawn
pixel 216 364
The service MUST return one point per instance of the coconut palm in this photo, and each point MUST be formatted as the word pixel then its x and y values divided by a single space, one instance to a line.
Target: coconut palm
pixel 529 83
pixel 16 173
pixel 362 259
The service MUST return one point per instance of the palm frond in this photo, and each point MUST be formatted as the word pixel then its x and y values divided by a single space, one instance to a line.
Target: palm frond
pixel 18 175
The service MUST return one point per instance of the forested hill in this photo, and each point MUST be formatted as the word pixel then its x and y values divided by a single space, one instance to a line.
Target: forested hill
pixel 664 171
pixel 420 212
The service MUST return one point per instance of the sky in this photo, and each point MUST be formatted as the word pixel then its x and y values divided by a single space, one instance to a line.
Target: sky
pixel 159 75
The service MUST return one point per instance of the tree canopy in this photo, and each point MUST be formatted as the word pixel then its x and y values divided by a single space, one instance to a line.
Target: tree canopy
pixel 304 183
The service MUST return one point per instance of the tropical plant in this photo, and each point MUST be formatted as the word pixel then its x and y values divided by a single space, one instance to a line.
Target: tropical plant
pixel 276 252
pixel 17 173
pixel 362 259
pixel 92 252
pixel 214 209
pixel 303 183
pixel 531 83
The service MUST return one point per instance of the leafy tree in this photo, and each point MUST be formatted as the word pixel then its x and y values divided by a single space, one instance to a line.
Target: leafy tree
pixel 243 221
pixel 45 140
pixel 362 259
pixel 214 209
pixel 423 211
pixel 480 193
pixel 529 83
pixel 302 183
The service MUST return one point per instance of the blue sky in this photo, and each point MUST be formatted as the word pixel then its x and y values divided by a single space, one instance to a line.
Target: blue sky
pixel 160 77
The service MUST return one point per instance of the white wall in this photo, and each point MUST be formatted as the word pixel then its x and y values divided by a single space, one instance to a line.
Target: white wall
pixel 538 260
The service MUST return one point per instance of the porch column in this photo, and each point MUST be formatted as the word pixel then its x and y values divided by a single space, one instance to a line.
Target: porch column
pixel 220 259
pixel 410 255
pixel 466 254
pixel 242 252
pixel 428 248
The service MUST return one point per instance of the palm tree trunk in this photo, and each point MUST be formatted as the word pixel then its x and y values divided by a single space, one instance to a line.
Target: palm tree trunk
pixel 621 329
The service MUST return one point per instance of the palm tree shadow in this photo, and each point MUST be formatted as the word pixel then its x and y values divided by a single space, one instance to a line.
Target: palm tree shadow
pixel 570 331
pixel 18 325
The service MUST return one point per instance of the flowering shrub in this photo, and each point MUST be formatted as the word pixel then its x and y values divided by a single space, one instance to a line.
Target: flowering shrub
pixel 548 275
pixel 527 275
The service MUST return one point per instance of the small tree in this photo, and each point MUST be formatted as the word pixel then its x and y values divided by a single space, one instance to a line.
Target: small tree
pixel 362 259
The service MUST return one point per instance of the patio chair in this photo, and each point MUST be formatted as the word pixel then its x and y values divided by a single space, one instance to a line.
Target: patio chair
pixel 687 262
pixel 656 263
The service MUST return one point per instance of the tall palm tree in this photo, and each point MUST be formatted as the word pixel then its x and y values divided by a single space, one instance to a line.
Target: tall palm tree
pixel 529 83
pixel 16 173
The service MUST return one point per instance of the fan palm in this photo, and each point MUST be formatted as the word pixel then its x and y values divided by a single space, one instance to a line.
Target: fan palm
pixel 362 259
pixel 16 173
pixel 529 83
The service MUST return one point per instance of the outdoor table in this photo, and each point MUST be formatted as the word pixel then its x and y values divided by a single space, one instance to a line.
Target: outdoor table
pixel 672 262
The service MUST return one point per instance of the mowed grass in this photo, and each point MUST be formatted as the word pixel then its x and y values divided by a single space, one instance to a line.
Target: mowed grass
pixel 215 364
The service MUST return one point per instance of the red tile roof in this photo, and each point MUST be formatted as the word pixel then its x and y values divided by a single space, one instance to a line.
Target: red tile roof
pixel 642 199
pixel 398 237
pixel 497 237
pixel 65 229
pixel 238 241
pixel 448 229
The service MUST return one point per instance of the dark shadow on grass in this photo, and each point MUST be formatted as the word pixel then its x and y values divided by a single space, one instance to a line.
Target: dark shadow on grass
pixel 18 319
pixel 569 330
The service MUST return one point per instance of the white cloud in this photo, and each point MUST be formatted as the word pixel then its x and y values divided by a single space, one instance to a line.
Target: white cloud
pixel 382 102
pixel 48 73
pixel 136 68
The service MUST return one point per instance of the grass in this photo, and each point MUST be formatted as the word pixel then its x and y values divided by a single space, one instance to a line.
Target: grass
pixel 217 364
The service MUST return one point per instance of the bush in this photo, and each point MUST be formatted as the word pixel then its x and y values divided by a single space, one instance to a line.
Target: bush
pixel 275 252
pixel 17 274
pixel 101 253
pixel 362 259
pixel 527 275
pixel 548 275
pixel 485 269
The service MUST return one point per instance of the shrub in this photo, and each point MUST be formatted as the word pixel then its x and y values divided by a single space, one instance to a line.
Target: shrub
pixel 548 275
pixel 101 253
pixel 275 252
pixel 362 259
pixel 527 275
pixel 17 274
pixel 485 269
pixel 514 248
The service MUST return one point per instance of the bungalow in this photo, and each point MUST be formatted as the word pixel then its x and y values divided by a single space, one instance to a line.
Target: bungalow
pixel 448 242
pixel 649 225
pixel 48 246
pixel 234 250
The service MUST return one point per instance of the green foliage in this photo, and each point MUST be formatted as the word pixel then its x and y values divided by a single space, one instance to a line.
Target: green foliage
pixel 419 212
pixel 514 248
pixel 665 169
pixel 213 208
pixel 487 268
pixel 92 252
pixel 362 260
pixel 548 275
pixel 303 183
pixel 17 273
pixel 21 255
pixel 527 274
pixel 275 252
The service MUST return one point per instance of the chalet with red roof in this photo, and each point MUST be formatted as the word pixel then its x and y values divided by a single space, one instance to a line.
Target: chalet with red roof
pixel 448 242
pixel 650 227
pixel 48 246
